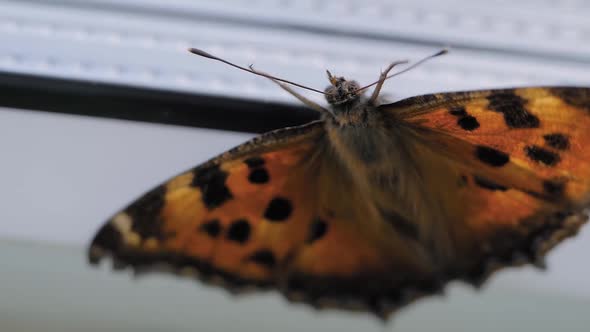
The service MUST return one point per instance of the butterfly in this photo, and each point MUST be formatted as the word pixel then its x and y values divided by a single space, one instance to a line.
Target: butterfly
pixel 373 205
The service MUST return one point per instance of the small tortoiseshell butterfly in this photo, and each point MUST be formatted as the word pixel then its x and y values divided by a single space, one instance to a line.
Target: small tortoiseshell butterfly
pixel 374 205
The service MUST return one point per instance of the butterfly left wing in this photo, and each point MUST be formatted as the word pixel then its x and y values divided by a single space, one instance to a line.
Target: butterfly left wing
pixel 224 221
pixel 521 166
pixel 276 212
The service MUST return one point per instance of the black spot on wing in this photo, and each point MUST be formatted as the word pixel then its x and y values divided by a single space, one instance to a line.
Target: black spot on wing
pixel 258 176
pixel 263 257
pixel 239 231
pixel 317 230
pixel 254 162
pixel 491 156
pixel 211 181
pixel 279 209
pixel 557 141
pixel 465 121
pixel 212 228
pixel 513 109
pixel 487 184
pixel 542 155
pixel 145 214
pixel 468 123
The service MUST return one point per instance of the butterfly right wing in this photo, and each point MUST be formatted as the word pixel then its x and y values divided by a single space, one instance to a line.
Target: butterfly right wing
pixel 517 170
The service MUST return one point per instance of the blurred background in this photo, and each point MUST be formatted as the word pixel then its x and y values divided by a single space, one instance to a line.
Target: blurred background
pixel 99 101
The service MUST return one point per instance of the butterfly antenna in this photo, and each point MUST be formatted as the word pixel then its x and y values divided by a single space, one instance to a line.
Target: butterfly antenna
pixel 210 56
pixel 383 78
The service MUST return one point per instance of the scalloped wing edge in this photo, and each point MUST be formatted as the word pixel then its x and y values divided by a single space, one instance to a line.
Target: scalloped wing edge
pixel 537 244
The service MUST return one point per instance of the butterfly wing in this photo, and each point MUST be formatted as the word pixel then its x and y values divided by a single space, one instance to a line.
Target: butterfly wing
pixel 283 211
pixel 223 221
pixel 520 168
pixel 276 212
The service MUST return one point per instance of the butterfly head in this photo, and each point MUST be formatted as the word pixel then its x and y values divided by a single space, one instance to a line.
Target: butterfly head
pixel 341 92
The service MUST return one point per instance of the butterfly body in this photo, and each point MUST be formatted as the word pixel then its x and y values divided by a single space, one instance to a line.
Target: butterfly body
pixel 373 205
pixel 390 165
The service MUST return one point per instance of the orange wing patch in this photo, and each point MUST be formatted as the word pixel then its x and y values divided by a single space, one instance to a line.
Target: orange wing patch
pixel 238 237
pixel 236 217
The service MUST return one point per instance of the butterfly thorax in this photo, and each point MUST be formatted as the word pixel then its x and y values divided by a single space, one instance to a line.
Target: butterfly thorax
pixel 351 114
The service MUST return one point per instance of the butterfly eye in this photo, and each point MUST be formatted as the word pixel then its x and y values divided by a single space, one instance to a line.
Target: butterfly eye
pixel 331 94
